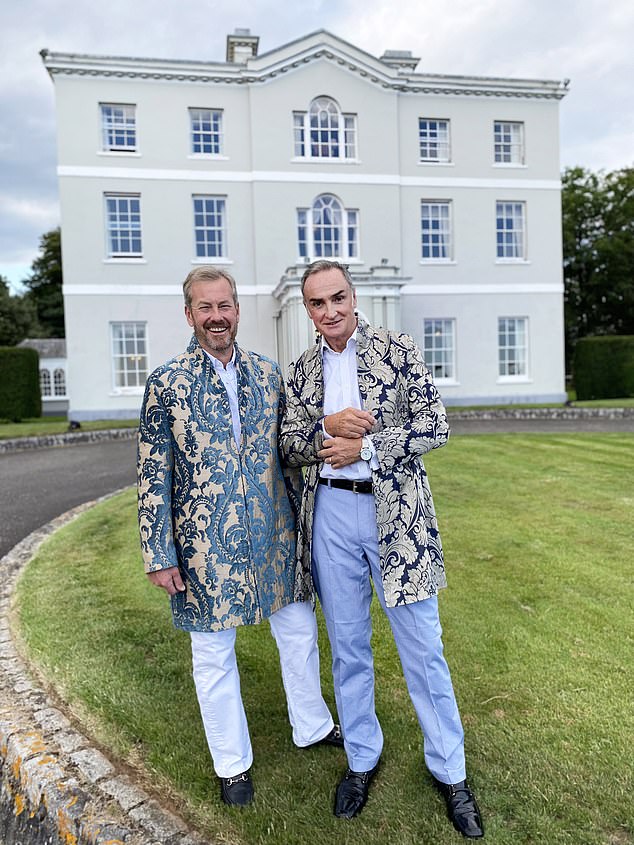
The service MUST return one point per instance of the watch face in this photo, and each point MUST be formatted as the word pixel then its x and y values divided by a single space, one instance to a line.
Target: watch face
pixel 366 453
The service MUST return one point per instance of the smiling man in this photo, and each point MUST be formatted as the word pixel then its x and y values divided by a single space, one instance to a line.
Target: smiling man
pixel 217 519
pixel 361 412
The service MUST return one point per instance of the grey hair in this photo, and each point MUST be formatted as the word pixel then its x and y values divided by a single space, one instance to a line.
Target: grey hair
pixel 325 264
pixel 207 273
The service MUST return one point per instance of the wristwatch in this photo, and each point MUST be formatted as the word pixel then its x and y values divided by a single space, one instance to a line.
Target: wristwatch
pixel 366 451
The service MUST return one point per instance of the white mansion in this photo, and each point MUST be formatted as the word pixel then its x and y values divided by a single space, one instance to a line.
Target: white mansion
pixel 441 193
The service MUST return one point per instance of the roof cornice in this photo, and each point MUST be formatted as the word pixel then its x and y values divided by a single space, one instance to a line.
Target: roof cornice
pixel 318 46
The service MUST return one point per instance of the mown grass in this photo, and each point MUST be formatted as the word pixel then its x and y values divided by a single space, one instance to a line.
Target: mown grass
pixel 538 534
pixel 42 426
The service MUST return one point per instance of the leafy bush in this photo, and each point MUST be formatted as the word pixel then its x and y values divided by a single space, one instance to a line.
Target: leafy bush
pixel 604 367
pixel 19 383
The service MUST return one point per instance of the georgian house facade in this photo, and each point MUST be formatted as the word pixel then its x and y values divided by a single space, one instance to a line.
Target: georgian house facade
pixel 441 193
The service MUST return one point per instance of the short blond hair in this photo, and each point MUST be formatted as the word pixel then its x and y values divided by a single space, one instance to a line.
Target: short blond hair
pixel 207 273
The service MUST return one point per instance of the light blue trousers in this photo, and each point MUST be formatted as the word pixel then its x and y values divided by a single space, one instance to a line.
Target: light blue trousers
pixel 345 561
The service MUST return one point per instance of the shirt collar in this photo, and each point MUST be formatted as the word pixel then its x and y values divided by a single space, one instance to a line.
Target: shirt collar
pixel 218 365
pixel 351 344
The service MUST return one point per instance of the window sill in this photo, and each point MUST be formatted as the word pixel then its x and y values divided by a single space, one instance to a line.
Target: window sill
pixel 210 259
pixel 119 153
pixel 514 380
pixel 125 259
pixel 437 262
pixel 127 391
pixel 304 262
pixel 505 165
pixel 446 382
pixel 55 398
pixel 207 157
pixel 516 261
pixel 432 162
pixel 304 160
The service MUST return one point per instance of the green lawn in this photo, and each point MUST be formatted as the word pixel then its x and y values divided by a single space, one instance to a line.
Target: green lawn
pixel 43 426
pixel 538 534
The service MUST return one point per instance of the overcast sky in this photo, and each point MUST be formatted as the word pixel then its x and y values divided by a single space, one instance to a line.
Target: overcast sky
pixel 588 41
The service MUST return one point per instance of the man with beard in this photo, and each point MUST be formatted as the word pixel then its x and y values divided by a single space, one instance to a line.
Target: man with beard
pixel 217 519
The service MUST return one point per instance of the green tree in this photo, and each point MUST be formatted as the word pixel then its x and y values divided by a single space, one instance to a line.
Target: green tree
pixel 598 246
pixel 18 319
pixel 44 285
pixel 617 252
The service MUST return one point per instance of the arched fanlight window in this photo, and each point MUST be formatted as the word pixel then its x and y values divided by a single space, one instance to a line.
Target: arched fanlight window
pixel 324 132
pixel 327 229
pixel 59 382
pixel 45 382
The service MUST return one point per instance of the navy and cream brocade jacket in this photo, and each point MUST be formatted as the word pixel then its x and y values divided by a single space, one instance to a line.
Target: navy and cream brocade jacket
pixel 396 387
pixel 226 516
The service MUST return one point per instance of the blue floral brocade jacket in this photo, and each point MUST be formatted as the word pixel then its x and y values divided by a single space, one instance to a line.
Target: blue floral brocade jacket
pixel 225 515
pixel 396 387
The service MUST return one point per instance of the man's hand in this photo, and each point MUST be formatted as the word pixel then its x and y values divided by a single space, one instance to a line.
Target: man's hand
pixel 169 579
pixel 351 422
pixel 340 451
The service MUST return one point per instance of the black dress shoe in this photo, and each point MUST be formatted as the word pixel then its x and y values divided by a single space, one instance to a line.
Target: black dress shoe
pixel 335 737
pixel 352 793
pixel 462 808
pixel 237 791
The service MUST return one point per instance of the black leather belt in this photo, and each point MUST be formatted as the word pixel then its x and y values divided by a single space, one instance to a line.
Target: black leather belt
pixel 348 484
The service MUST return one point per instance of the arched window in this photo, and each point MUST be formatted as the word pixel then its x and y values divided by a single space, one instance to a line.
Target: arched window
pixel 324 128
pixel 327 229
pixel 45 382
pixel 59 382
pixel 324 131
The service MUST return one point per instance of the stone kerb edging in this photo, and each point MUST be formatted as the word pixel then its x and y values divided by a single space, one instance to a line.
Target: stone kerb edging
pixel 520 413
pixel 70 438
pixel 56 788
pixel 566 412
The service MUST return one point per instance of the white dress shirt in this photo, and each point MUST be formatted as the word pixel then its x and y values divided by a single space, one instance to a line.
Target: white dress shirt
pixel 229 377
pixel 341 390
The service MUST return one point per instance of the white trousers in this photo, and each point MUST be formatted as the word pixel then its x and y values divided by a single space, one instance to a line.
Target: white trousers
pixel 217 682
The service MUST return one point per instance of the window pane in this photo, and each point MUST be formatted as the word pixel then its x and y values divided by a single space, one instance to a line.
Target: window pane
pixel 129 359
pixel 353 233
pixel 327 227
pixel 325 129
pixel 299 132
pixel 439 344
pixel 433 137
pixel 510 228
pixel 512 346
pixel 210 235
pixel 45 382
pixel 118 127
pixel 206 131
pixel 123 220
pixel 508 139
pixel 350 135
pixel 59 382
pixel 435 230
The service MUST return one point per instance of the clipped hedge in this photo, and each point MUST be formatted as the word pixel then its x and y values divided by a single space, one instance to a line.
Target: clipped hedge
pixel 20 396
pixel 603 367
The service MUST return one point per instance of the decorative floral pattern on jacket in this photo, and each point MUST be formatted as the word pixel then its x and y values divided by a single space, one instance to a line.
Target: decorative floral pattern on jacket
pixel 396 387
pixel 219 512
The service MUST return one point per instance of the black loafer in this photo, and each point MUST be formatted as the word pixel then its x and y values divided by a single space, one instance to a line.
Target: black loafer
pixel 237 791
pixel 462 808
pixel 335 738
pixel 352 793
